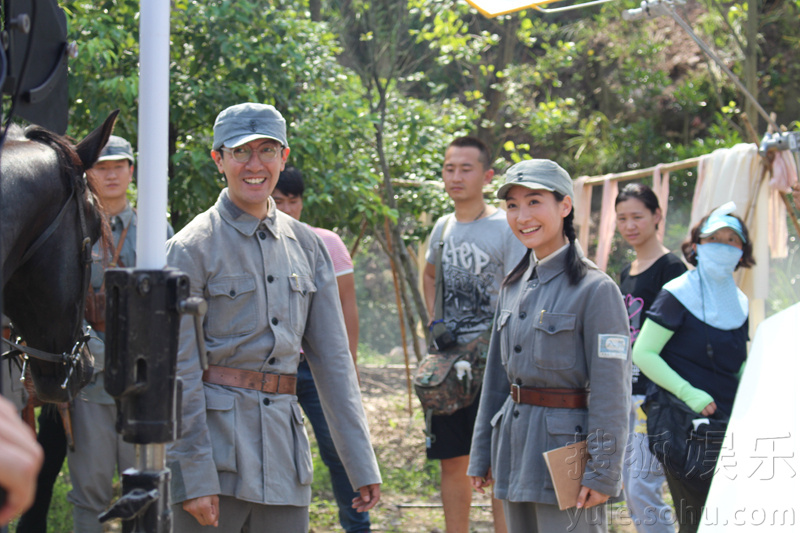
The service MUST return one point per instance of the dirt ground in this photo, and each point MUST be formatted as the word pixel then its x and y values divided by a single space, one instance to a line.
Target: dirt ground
pixel 399 444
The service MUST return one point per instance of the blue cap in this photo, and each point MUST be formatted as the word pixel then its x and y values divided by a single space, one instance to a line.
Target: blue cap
pixel 720 218
pixel 242 123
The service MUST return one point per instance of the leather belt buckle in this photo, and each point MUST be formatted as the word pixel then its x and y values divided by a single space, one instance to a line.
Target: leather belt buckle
pixel 515 390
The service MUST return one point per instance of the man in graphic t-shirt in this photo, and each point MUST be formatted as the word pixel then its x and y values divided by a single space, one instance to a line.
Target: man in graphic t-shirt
pixel 479 250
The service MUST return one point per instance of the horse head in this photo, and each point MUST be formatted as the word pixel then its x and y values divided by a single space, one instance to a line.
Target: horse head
pixel 50 220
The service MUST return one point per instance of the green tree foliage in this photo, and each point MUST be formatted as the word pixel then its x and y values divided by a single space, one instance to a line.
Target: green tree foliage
pixel 226 52
pixel 373 92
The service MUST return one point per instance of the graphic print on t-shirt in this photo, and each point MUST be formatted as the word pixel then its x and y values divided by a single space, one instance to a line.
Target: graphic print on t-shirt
pixel 635 307
pixel 469 273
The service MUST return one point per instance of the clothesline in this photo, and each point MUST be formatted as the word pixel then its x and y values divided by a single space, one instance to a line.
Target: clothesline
pixel 643 173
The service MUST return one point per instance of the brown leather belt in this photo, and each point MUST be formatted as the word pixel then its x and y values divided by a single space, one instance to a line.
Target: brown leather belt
pixel 249 379
pixel 565 398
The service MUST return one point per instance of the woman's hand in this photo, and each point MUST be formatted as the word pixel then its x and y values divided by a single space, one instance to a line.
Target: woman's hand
pixel 479 482
pixel 709 409
pixel 589 498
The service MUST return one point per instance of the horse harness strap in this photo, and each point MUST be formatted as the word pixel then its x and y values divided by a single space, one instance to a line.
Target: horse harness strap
pixel 48 232
pixel 18 349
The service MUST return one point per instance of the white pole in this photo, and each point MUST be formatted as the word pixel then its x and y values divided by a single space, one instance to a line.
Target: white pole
pixel 153 134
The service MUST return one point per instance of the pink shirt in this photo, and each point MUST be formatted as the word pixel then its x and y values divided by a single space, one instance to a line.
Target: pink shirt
pixel 342 262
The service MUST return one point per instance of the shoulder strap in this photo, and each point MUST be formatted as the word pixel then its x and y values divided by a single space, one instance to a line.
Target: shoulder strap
pixel 438 309
pixel 118 250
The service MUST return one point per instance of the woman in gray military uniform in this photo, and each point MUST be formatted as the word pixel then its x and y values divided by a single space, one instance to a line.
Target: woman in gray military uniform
pixel 561 330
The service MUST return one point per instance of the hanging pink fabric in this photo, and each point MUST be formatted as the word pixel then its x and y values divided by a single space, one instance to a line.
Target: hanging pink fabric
pixel 661 189
pixel 608 219
pixel 784 175
pixel 582 204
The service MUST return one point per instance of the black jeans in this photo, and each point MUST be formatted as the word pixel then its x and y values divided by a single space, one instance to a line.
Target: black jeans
pixel 689 499
pixel 54 442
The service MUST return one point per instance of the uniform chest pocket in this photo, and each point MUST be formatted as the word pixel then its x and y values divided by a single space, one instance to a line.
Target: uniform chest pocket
pixel 555 341
pixel 301 289
pixel 232 306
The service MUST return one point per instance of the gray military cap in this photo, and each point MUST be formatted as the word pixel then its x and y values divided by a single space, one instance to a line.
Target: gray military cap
pixel 116 148
pixel 537 174
pixel 242 123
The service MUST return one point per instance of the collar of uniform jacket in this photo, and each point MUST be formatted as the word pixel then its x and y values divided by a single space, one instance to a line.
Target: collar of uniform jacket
pixel 247 224
pixel 121 220
pixel 554 265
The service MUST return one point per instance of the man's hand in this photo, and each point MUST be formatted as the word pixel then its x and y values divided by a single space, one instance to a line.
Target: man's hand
pixel 20 460
pixel 589 498
pixel 370 494
pixel 204 509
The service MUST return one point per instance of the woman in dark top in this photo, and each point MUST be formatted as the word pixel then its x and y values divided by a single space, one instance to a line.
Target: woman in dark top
pixel 694 340
pixel 638 217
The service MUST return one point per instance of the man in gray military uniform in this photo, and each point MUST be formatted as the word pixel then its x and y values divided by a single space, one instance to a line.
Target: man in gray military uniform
pixel 243 460
pixel 99 449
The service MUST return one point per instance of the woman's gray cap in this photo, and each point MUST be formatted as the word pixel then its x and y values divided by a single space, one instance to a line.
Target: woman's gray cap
pixel 116 148
pixel 537 174
pixel 242 123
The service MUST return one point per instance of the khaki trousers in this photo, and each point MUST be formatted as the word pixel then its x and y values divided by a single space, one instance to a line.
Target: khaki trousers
pixel 237 516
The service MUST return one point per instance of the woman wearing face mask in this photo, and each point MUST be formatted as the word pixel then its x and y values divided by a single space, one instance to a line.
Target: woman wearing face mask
pixel 694 341
pixel 638 217
pixel 560 329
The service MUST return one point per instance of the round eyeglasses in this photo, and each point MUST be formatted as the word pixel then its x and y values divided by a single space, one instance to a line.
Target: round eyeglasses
pixel 266 153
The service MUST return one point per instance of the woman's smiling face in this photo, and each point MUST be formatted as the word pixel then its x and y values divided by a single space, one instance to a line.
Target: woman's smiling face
pixel 537 218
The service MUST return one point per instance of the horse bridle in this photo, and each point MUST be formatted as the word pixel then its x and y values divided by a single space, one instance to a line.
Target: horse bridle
pixel 80 337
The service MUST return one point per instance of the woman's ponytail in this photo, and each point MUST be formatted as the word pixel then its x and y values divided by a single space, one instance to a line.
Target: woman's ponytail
pixel 518 270
pixel 576 268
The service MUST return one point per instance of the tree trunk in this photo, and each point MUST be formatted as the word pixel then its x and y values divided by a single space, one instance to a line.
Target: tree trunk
pixel 751 61
pixel 495 96
pixel 399 254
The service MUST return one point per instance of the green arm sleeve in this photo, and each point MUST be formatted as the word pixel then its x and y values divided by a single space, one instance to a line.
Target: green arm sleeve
pixel 646 355
pixel 741 371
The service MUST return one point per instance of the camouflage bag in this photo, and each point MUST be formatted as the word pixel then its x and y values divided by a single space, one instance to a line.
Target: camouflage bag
pixel 448 381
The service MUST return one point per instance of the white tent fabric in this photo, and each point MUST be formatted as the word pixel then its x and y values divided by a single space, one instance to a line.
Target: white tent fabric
pixel 757 480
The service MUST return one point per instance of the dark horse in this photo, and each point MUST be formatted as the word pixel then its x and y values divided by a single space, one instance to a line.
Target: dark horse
pixel 49 221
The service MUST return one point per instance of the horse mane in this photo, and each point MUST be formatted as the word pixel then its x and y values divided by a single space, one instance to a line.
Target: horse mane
pixel 71 165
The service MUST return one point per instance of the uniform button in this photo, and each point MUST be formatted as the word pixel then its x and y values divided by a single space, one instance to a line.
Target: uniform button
pixel 262 235
pixel 265 401
pixel 516 414
pixel 519 381
pixel 272 361
pixel 274 321
pixel 522 315
pixel 517 348
pixel 578 429
pixel 551 329
pixel 270 279
pixel 233 293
